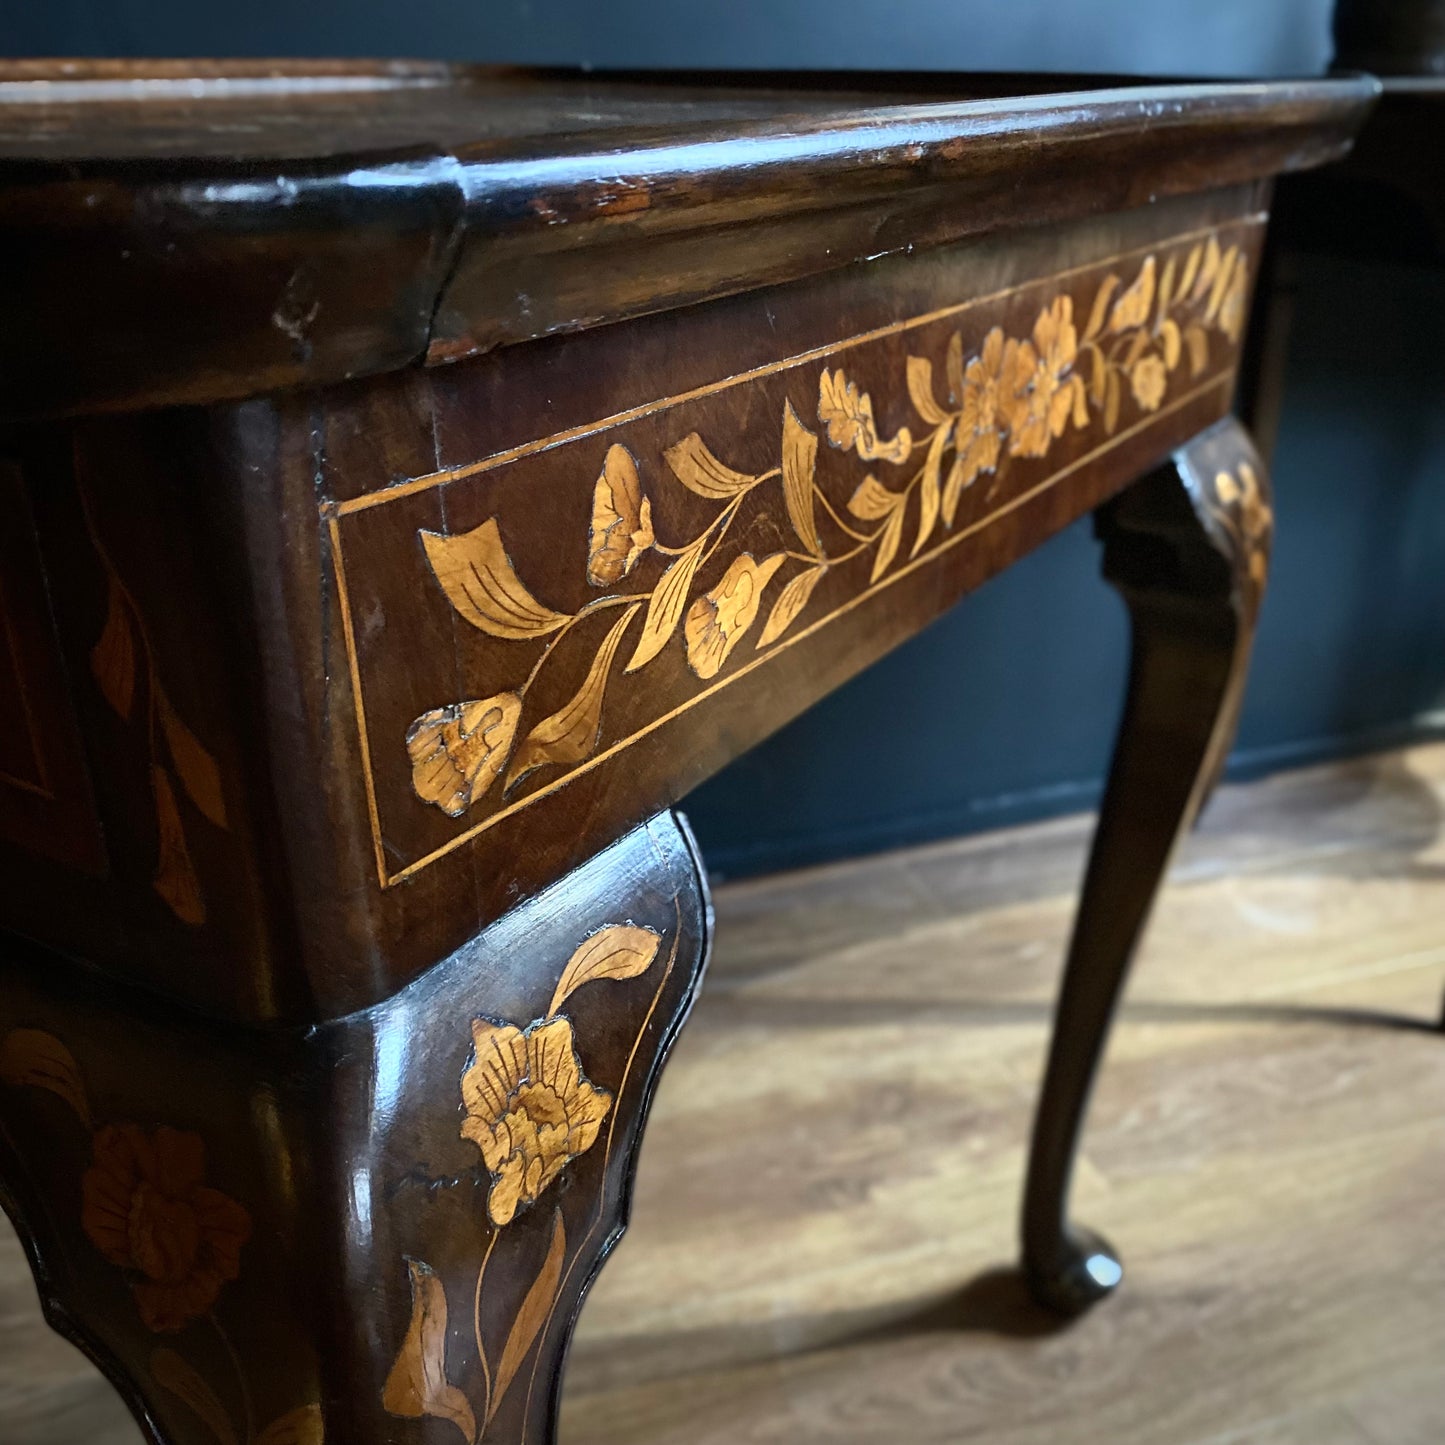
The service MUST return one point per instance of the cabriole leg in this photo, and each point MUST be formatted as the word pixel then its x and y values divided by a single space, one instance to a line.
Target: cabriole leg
pixel 378 1230
pixel 1188 548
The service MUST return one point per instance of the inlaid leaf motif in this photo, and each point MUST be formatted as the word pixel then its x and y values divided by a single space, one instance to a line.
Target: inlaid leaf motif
pixel 478 578
pixel 179 1378
pixel 701 472
pixel 196 768
pixel 958 478
pixel 791 601
pixel 618 951
pixel 570 734
pixel 956 376
pixel 873 501
pixel 665 606
pixel 920 390
pixel 38 1059
pixel 112 659
pixel 1098 377
pixel 1191 269
pixel 930 488
pixel 1221 284
pixel 535 1310
pixel 1197 341
pixel 417 1386
pixel 1208 270
pixel 1166 292
pixel 175 877
pixel 800 456
pixel 1170 340
pixel 1102 298
pixel 888 544
pixel 1133 307
pixel 457 752
pixel 306 1426
pixel 621 529
pixel 1232 310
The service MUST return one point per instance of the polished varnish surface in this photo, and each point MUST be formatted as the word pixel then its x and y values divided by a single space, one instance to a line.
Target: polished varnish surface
pixel 252 226
pixel 370 602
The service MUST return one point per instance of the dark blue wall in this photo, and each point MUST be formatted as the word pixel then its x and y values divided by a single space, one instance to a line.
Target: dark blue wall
pixel 1004 709
pixel 1198 37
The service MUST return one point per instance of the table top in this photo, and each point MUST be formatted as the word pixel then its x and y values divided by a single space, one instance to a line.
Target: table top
pixel 186 232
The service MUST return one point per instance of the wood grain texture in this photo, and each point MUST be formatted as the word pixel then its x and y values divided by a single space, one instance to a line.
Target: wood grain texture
pixel 265 227
pixel 1259 1115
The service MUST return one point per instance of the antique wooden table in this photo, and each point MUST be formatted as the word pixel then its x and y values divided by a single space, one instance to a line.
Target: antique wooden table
pixel 414 481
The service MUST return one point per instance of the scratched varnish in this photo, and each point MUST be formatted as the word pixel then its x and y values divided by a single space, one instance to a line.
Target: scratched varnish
pixel 830 1176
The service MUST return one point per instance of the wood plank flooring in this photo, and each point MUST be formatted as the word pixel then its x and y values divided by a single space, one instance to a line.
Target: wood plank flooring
pixel 825 1214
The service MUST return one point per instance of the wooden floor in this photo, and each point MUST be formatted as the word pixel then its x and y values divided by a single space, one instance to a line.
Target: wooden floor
pixel 825 1213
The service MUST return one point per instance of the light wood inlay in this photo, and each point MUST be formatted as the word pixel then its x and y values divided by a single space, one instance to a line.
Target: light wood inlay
pixel 714 551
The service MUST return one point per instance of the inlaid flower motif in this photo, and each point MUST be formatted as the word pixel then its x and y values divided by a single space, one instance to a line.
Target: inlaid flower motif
pixel 146 1208
pixel 717 620
pixel 458 751
pixel 1038 391
pixel 1254 514
pixel 848 415
pixel 1232 308
pixel 979 435
pixel 621 520
pixel 530 1109
pixel 1148 380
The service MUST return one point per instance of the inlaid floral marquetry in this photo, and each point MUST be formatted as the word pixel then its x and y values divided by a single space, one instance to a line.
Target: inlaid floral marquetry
pixel 686 552
pixel 123 667
pixel 1243 508
pixel 146 1206
pixel 530 1109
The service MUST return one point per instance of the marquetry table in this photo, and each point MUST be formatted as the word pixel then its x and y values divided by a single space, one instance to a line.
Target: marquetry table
pixel 415 480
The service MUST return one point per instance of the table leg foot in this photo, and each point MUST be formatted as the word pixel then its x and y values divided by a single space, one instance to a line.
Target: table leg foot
pixel 375 1231
pixel 1188 548
pixel 1085 1270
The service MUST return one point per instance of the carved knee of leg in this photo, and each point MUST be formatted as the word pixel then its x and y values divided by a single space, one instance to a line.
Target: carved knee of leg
pixel 280 1238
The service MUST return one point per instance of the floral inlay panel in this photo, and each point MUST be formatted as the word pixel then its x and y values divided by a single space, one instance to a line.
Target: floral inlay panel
pixel 1243 508
pixel 145 1206
pixel 530 1110
pixel 123 666
pixel 705 547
